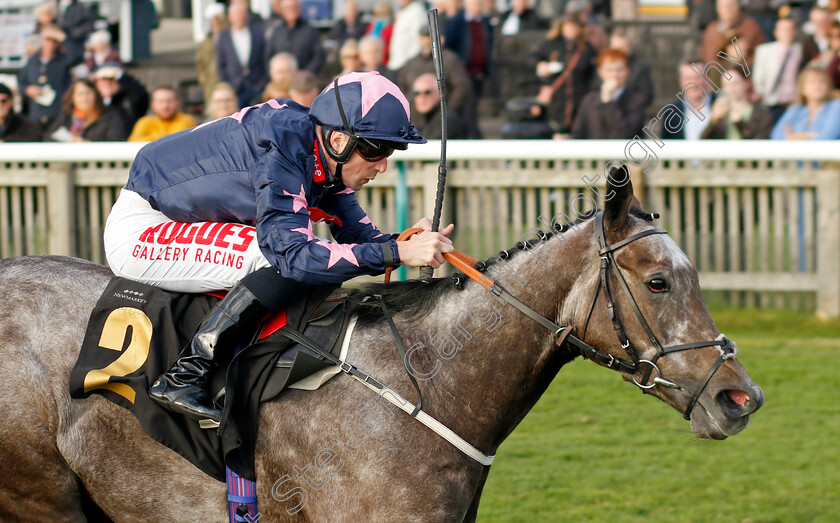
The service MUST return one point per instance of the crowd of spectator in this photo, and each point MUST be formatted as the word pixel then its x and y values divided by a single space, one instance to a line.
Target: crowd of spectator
pixel 586 82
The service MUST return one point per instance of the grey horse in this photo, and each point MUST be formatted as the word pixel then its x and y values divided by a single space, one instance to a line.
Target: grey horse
pixel 340 453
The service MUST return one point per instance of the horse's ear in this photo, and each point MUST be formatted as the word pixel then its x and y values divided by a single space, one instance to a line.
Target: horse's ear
pixel 616 209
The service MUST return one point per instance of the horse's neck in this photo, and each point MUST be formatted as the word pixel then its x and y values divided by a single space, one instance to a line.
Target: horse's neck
pixel 506 360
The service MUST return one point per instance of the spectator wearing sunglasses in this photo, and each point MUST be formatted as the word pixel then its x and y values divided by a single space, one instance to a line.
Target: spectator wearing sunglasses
pixel 425 114
pixel 238 198
pixel 14 127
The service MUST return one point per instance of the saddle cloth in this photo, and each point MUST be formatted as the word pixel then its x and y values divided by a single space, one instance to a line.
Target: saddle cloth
pixel 136 332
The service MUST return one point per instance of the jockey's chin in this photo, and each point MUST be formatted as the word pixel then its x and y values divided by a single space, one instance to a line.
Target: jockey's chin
pixel 358 171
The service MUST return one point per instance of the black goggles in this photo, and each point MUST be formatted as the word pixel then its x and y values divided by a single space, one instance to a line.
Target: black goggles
pixel 376 150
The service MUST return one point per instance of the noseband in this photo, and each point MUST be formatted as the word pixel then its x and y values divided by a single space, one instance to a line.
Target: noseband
pixel 727 348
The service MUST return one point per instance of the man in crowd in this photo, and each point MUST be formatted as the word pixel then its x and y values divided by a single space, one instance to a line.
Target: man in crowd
pixel 469 34
pixel 520 17
pixel 14 127
pixel 290 33
pixel 640 78
pixel 730 23
pixel 425 113
pixel 459 95
pixel 166 118
pixel 303 88
pixel 46 76
pixel 281 66
pixel 372 55
pixel 240 55
pixel 123 92
pixel 614 111
pixel 776 68
pixel 679 119
pixel 349 26
pixel 816 42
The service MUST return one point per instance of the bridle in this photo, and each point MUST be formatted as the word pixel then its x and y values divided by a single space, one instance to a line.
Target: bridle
pixel 727 348
pixel 563 335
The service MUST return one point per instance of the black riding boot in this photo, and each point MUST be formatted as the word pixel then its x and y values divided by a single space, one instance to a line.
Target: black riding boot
pixel 182 388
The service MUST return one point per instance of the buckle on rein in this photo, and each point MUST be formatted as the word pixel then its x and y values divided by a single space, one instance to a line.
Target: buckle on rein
pixel 657 380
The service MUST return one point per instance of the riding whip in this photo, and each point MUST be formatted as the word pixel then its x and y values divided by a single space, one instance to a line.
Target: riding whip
pixel 426 273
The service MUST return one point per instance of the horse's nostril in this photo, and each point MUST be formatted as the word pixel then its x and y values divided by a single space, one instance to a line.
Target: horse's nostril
pixel 736 403
pixel 738 397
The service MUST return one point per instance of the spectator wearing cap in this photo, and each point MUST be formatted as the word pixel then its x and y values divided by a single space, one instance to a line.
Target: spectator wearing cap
pixel 206 65
pixel 469 34
pixel 404 44
pixel 240 52
pixel 85 118
pixel 776 67
pixel 640 78
pixel 731 23
pixel 614 111
pixel 425 110
pixel 520 17
pixel 123 92
pixel 565 63
pixel 735 113
pixel 222 101
pixel 382 26
pixel 349 26
pixel 372 55
pixel 46 76
pixel 303 88
pixel 166 117
pixel 14 127
pixel 290 33
pixel 100 51
pixel 459 95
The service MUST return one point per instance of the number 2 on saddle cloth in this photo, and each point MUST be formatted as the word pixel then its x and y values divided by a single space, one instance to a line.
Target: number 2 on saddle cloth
pixel 135 333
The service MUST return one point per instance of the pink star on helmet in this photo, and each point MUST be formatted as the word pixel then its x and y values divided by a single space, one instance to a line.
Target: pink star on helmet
pixel 339 251
pixel 298 200
pixel 366 220
pixel 374 87
pixel 307 231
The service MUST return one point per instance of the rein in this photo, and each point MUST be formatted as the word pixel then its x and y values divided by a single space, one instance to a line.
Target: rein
pixel 563 334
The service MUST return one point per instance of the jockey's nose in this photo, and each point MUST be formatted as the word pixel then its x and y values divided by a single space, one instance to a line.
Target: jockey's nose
pixel 381 165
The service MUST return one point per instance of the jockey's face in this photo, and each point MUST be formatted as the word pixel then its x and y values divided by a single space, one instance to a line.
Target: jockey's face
pixel 357 171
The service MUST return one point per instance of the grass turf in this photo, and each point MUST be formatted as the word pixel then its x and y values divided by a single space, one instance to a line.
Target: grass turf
pixel 595 449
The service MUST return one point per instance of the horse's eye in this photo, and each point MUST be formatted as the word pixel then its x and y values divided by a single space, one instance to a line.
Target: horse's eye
pixel 657 285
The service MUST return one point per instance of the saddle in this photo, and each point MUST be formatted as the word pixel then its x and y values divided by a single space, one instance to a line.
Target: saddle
pixel 137 331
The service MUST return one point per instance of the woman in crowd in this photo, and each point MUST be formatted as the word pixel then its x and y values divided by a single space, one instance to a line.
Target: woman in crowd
pixel 735 114
pixel 84 117
pixel 382 25
pixel 816 115
pixel 348 56
pixel 565 64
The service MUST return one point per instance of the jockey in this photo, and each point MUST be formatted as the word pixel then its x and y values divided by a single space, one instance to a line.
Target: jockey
pixel 196 200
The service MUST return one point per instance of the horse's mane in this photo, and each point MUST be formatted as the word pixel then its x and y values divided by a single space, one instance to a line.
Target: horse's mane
pixel 414 297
